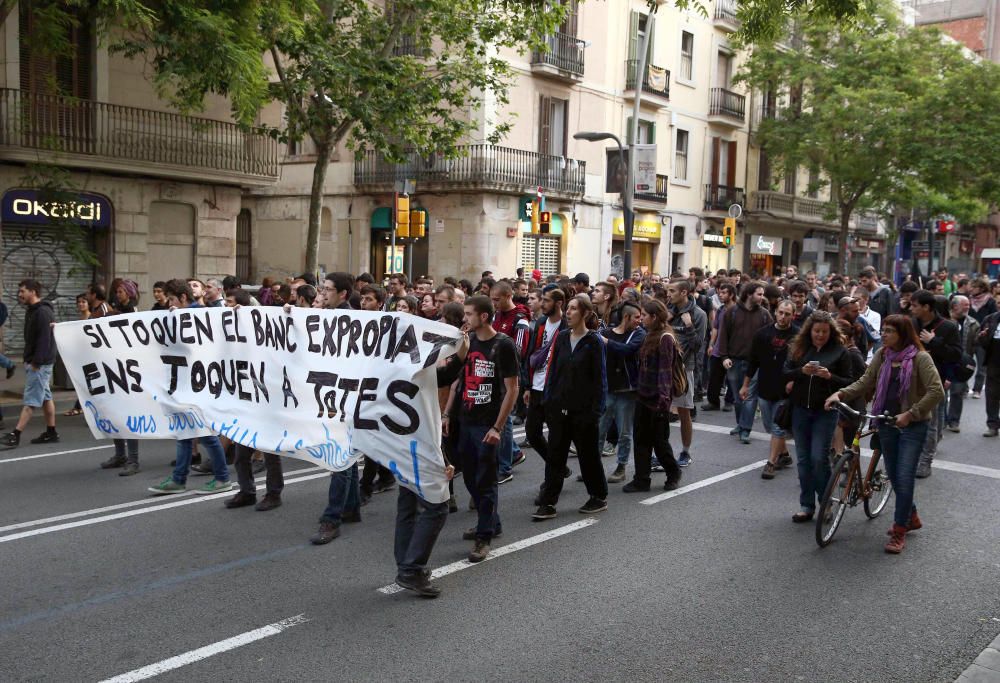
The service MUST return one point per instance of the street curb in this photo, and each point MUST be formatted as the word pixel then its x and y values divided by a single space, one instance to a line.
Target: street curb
pixel 986 668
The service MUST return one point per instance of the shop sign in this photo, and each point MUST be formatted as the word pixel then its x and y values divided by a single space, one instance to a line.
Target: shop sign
pixel 33 208
pixel 711 240
pixel 645 229
pixel 762 244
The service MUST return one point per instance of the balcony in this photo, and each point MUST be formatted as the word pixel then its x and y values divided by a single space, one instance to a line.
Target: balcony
pixel 563 59
pixel 657 195
pixel 809 210
pixel 480 167
pixel 720 197
pixel 101 136
pixel 655 81
pixel 725 16
pixel 727 107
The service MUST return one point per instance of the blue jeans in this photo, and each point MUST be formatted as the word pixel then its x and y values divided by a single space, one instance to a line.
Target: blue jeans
pixel 479 469
pixel 813 430
pixel 956 397
pixel 185 448
pixel 6 363
pixel 901 452
pixel 343 495
pixel 619 408
pixel 745 410
pixel 418 524
pixel 506 449
pixel 768 411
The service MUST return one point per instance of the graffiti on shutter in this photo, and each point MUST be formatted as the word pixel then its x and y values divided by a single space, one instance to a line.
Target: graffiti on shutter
pixel 38 253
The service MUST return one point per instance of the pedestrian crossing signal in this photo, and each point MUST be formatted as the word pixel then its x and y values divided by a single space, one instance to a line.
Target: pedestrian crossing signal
pixel 545 222
pixel 418 223
pixel 729 232
pixel 402 216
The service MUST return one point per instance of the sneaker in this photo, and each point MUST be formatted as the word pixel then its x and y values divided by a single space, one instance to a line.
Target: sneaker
pixel 11 370
pixel 504 478
pixel 201 470
pixel 897 540
pixel 567 473
pixel 418 583
pixel 735 431
pixel 383 486
pixel 268 502
pixel 11 440
pixel 579 477
pixel 129 469
pixel 544 512
pixel 572 450
pixel 524 444
pixel 214 486
pixel 326 533
pixel 727 408
pixel 480 550
pixel 241 500
pixel 46 437
pixel 519 458
pixel 992 432
pixel 923 470
pixel 672 484
pixel 452 505
pixel 768 471
pixel 784 460
pixel 656 466
pixel 914 522
pixel 635 487
pixel 347 517
pixel 168 486
pixel 618 475
pixel 593 506
pixel 609 450
pixel 470 534
pixel 954 428
pixel 708 407
pixel 113 462
pixel 976 394
pixel 684 460
pixel 744 437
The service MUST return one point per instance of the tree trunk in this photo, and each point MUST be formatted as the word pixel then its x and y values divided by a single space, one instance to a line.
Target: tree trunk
pixel 845 219
pixel 323 152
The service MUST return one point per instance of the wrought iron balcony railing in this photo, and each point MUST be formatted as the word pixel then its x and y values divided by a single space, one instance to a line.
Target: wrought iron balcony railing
pixel 69 128
pixel 728 103
pixel 725 11
pixel 720 197
pixel 655 81
pixel 477 166
pixel 565 53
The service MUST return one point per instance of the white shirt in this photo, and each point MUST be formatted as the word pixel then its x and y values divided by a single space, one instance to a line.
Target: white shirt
pixel 538 379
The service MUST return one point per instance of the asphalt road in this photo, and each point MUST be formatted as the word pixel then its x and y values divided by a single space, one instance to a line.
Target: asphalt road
pixel 712 584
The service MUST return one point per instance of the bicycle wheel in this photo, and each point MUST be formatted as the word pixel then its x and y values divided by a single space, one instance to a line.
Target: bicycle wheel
pixel 878 486
pixel 835 500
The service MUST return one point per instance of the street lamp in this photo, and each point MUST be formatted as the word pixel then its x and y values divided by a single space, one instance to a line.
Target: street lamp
pixel 627 191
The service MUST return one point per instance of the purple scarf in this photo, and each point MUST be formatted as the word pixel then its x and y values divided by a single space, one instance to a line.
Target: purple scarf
pixel 905 358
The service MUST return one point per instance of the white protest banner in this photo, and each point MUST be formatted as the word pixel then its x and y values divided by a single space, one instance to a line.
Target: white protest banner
pixel 324 386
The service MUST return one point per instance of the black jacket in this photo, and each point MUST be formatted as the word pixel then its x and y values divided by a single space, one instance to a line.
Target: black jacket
pixel 576 380
pixel 529 365
pixel 39 342
pixel 985 339
pixel 768 353
pixel 946 346
pixel 810 391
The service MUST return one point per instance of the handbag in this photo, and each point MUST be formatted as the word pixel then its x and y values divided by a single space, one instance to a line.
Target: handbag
pixel 783 416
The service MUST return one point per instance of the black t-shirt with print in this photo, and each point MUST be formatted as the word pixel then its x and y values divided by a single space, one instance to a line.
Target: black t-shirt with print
pixel 486 366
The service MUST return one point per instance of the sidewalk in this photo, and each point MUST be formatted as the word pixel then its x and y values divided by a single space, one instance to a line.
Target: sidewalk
pixel 986 668
pixel 12 391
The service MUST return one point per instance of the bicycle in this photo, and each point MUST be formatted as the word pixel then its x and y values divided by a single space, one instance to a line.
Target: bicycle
pixel 846 486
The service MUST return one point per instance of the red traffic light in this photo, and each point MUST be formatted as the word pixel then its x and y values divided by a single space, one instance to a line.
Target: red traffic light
pixel 946 226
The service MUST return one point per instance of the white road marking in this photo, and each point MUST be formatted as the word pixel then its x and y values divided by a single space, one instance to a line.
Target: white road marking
pixel 967 469
pixel 50 455
pixel 125 506
pixel 500 552
pixel 208 651
pixel 142 511
pixel 701 484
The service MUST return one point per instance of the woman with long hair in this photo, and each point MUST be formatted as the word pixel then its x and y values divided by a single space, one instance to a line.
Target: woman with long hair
pixel 906 385
pixel 408 304
pixel 574 392
pixel 817 366
pixel 654 395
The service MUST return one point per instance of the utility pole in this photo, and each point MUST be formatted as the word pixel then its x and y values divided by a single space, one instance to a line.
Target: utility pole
pixel 629 194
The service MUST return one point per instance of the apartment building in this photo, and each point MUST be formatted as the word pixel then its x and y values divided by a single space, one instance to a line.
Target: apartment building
pixel 153 193
pixel 478 205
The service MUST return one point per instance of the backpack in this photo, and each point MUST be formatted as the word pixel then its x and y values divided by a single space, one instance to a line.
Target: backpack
pixel 678 373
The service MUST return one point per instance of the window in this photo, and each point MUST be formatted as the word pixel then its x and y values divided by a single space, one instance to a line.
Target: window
pixel 678 234
pixel 790 180
pixel 814 183
pixel 681 155
pixel 243 245
pixel 647 132
pixel 636 33
pixel 687 56
pixel 724 77
pixel 553 115
pixel 67 73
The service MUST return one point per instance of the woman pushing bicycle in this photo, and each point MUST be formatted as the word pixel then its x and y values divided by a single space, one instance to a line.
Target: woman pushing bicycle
pixel 905 384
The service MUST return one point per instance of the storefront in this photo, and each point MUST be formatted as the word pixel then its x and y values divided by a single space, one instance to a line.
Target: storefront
pixel 765 255
pixel 715 254
pixel 44 238
pixel 411 254
pixel 864 252
pixel 645 242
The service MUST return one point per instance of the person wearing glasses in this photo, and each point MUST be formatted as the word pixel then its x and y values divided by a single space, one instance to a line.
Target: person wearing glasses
pixel 906 385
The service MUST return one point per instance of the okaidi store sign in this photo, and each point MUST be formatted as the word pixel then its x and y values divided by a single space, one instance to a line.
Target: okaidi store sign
pixel 762 244
pixel 32 207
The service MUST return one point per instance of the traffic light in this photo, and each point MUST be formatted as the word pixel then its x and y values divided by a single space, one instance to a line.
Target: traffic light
pixel 545 222
pixel 535 216
pixel 945 227
pixel 418 223
pixel 402 216
pixel 729 232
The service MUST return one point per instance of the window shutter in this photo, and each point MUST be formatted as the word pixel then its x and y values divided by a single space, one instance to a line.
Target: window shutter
pixel 652 133
pixel 544 124
pixel 628 131
pixel 716 159
pixel 633 35
pixel 69 74
pixel 731 164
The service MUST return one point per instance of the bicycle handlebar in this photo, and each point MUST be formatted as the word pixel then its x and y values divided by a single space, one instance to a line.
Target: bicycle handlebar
pixel 884 417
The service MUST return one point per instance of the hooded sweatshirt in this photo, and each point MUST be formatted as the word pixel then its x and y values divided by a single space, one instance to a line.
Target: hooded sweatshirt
pixel 39 341
pixel 515 323
pixel 690 338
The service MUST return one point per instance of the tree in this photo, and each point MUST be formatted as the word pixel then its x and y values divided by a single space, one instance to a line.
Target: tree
pixel 871 109
pixel 407 76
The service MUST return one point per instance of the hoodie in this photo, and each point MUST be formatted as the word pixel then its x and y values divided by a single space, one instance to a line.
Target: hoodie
pixel 515 323
pixel 39 341
pixel 690 338
pixel 737 331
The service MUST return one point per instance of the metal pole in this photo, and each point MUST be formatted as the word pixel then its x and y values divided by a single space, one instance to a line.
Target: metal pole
pixel 931 224
pixel 392 249
pixel 629 194
pixel 408 247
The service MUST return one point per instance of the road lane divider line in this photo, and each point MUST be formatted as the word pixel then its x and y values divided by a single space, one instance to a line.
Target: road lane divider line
pixel 125 506
pixel 495 553
pixel 208 651
pixel 694 486
pixel 967 469
pixel 50 455
pixel 132 513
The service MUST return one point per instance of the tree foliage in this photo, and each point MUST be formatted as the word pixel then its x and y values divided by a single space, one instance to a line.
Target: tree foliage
pixel 887 114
